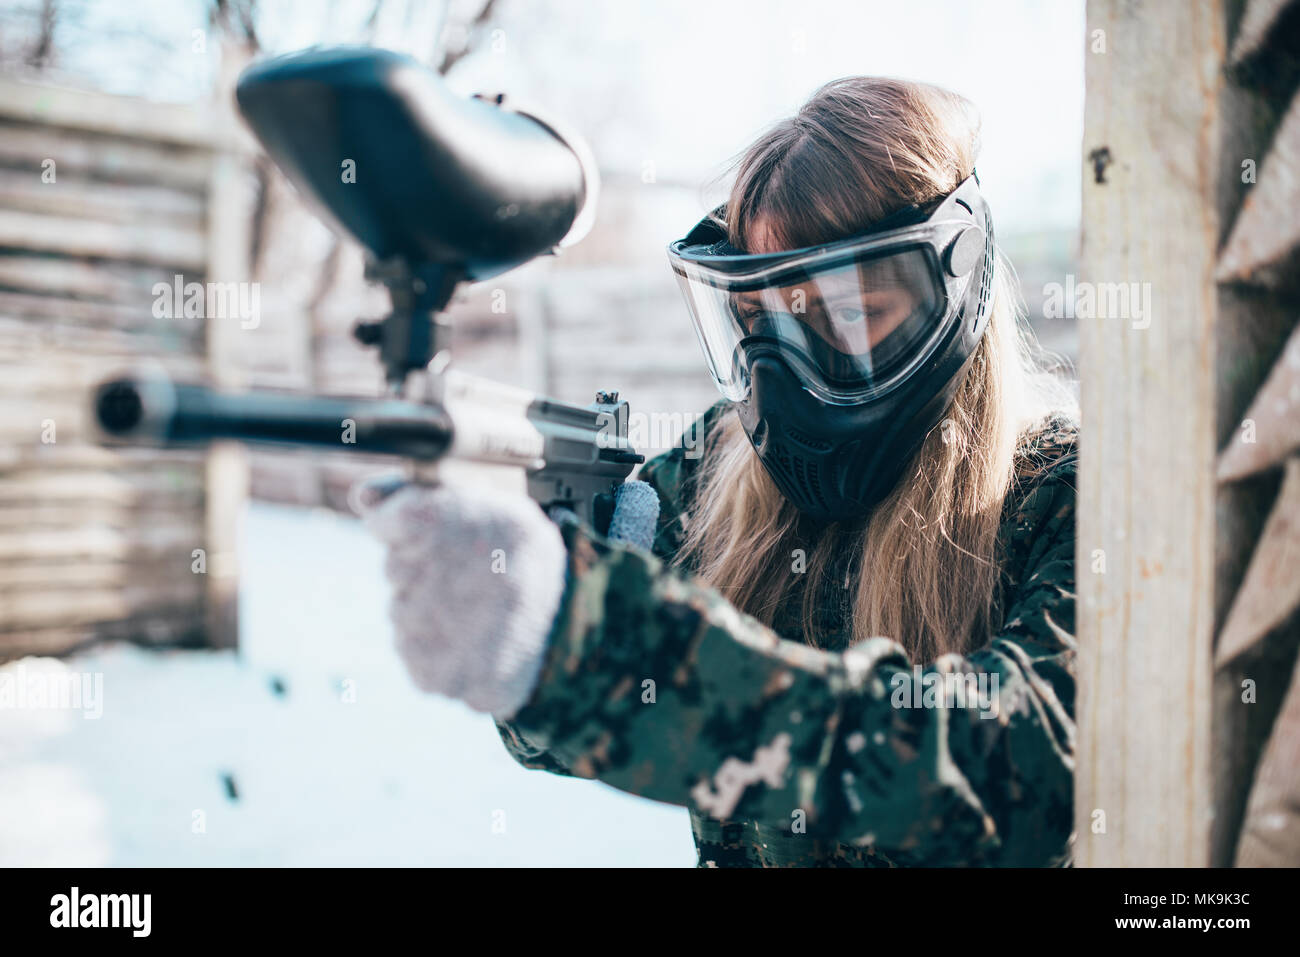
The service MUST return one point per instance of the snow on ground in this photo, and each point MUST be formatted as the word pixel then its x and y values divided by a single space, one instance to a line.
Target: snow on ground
pixel 199 760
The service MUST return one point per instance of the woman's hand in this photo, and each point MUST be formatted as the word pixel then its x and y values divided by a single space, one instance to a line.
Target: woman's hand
pixel 477 579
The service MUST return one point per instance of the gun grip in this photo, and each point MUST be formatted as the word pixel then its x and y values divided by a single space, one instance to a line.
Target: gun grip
pixel 602 512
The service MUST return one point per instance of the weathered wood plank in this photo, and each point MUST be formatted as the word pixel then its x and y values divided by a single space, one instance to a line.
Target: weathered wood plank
pixel 1270 835
pixel 1257 22
pixel 77 456
pixel 230 206
pixel 122 284
pixel 160 342
pixel 79 198
pixel 40 512
pixel 85 606
pixel 178 123
pixel 57 314
pixel 110 476
pixel 99 541
pixel 1146 490
pixel 142 241
pixel 1270 591
pixel 162 626
pixel 108 158
pixel 1263 244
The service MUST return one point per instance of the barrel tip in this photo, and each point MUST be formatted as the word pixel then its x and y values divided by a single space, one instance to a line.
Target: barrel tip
pixel 119 409
pixel 132 406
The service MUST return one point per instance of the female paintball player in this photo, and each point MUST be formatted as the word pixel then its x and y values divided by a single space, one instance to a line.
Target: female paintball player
pixel 853 643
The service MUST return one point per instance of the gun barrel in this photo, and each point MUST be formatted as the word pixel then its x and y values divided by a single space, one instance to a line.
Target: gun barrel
pixel 155 412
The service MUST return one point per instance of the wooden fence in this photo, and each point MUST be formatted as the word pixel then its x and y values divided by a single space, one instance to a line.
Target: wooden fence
pixel 102 198
pixel 1189 528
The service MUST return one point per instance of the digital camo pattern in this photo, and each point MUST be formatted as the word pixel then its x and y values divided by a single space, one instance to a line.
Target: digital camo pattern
pixel 790 755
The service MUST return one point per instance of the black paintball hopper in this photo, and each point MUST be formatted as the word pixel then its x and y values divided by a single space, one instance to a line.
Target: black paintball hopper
pixel 412 170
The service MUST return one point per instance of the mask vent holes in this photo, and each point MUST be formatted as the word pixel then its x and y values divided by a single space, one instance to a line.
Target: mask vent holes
pixel 803 477
pixel 807 441
pixel 986 287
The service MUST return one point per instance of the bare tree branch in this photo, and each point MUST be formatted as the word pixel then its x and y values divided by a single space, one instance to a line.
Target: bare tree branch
pixel 454 55
pixel 42 52
pixel 238 20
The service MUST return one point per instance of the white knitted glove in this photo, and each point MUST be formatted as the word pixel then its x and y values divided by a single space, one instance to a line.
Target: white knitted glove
pixel 477 578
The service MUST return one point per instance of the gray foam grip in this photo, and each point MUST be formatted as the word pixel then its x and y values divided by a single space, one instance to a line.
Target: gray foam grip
pixel 636 512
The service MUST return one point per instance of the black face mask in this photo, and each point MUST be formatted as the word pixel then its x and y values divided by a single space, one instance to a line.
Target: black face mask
pixel 843 357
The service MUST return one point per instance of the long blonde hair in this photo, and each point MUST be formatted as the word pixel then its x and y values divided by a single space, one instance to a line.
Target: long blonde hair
pixel 925 568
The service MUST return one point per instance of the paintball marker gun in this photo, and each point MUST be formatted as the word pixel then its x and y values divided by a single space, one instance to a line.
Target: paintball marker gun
pixel 449 190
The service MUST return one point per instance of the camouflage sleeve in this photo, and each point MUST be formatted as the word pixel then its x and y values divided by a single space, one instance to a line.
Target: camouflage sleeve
pixel 659 687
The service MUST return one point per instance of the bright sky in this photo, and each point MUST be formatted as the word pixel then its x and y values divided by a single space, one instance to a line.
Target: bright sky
pixel 682 84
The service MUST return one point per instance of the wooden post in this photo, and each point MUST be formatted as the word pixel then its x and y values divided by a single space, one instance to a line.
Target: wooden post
pixel 1146 545
pixel 229 211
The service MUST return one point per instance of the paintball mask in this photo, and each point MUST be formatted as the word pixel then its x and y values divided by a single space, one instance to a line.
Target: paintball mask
pixel 842 357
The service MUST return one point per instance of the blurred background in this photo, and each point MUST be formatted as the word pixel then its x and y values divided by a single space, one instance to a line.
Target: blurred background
pixel 227 605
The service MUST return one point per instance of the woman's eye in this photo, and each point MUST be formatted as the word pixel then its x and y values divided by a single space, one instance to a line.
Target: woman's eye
pixel 849 316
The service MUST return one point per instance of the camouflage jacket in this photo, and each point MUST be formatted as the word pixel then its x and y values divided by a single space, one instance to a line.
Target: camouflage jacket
pixel 791 755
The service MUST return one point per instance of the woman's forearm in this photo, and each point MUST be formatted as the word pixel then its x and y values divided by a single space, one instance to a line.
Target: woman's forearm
pixel 658 686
